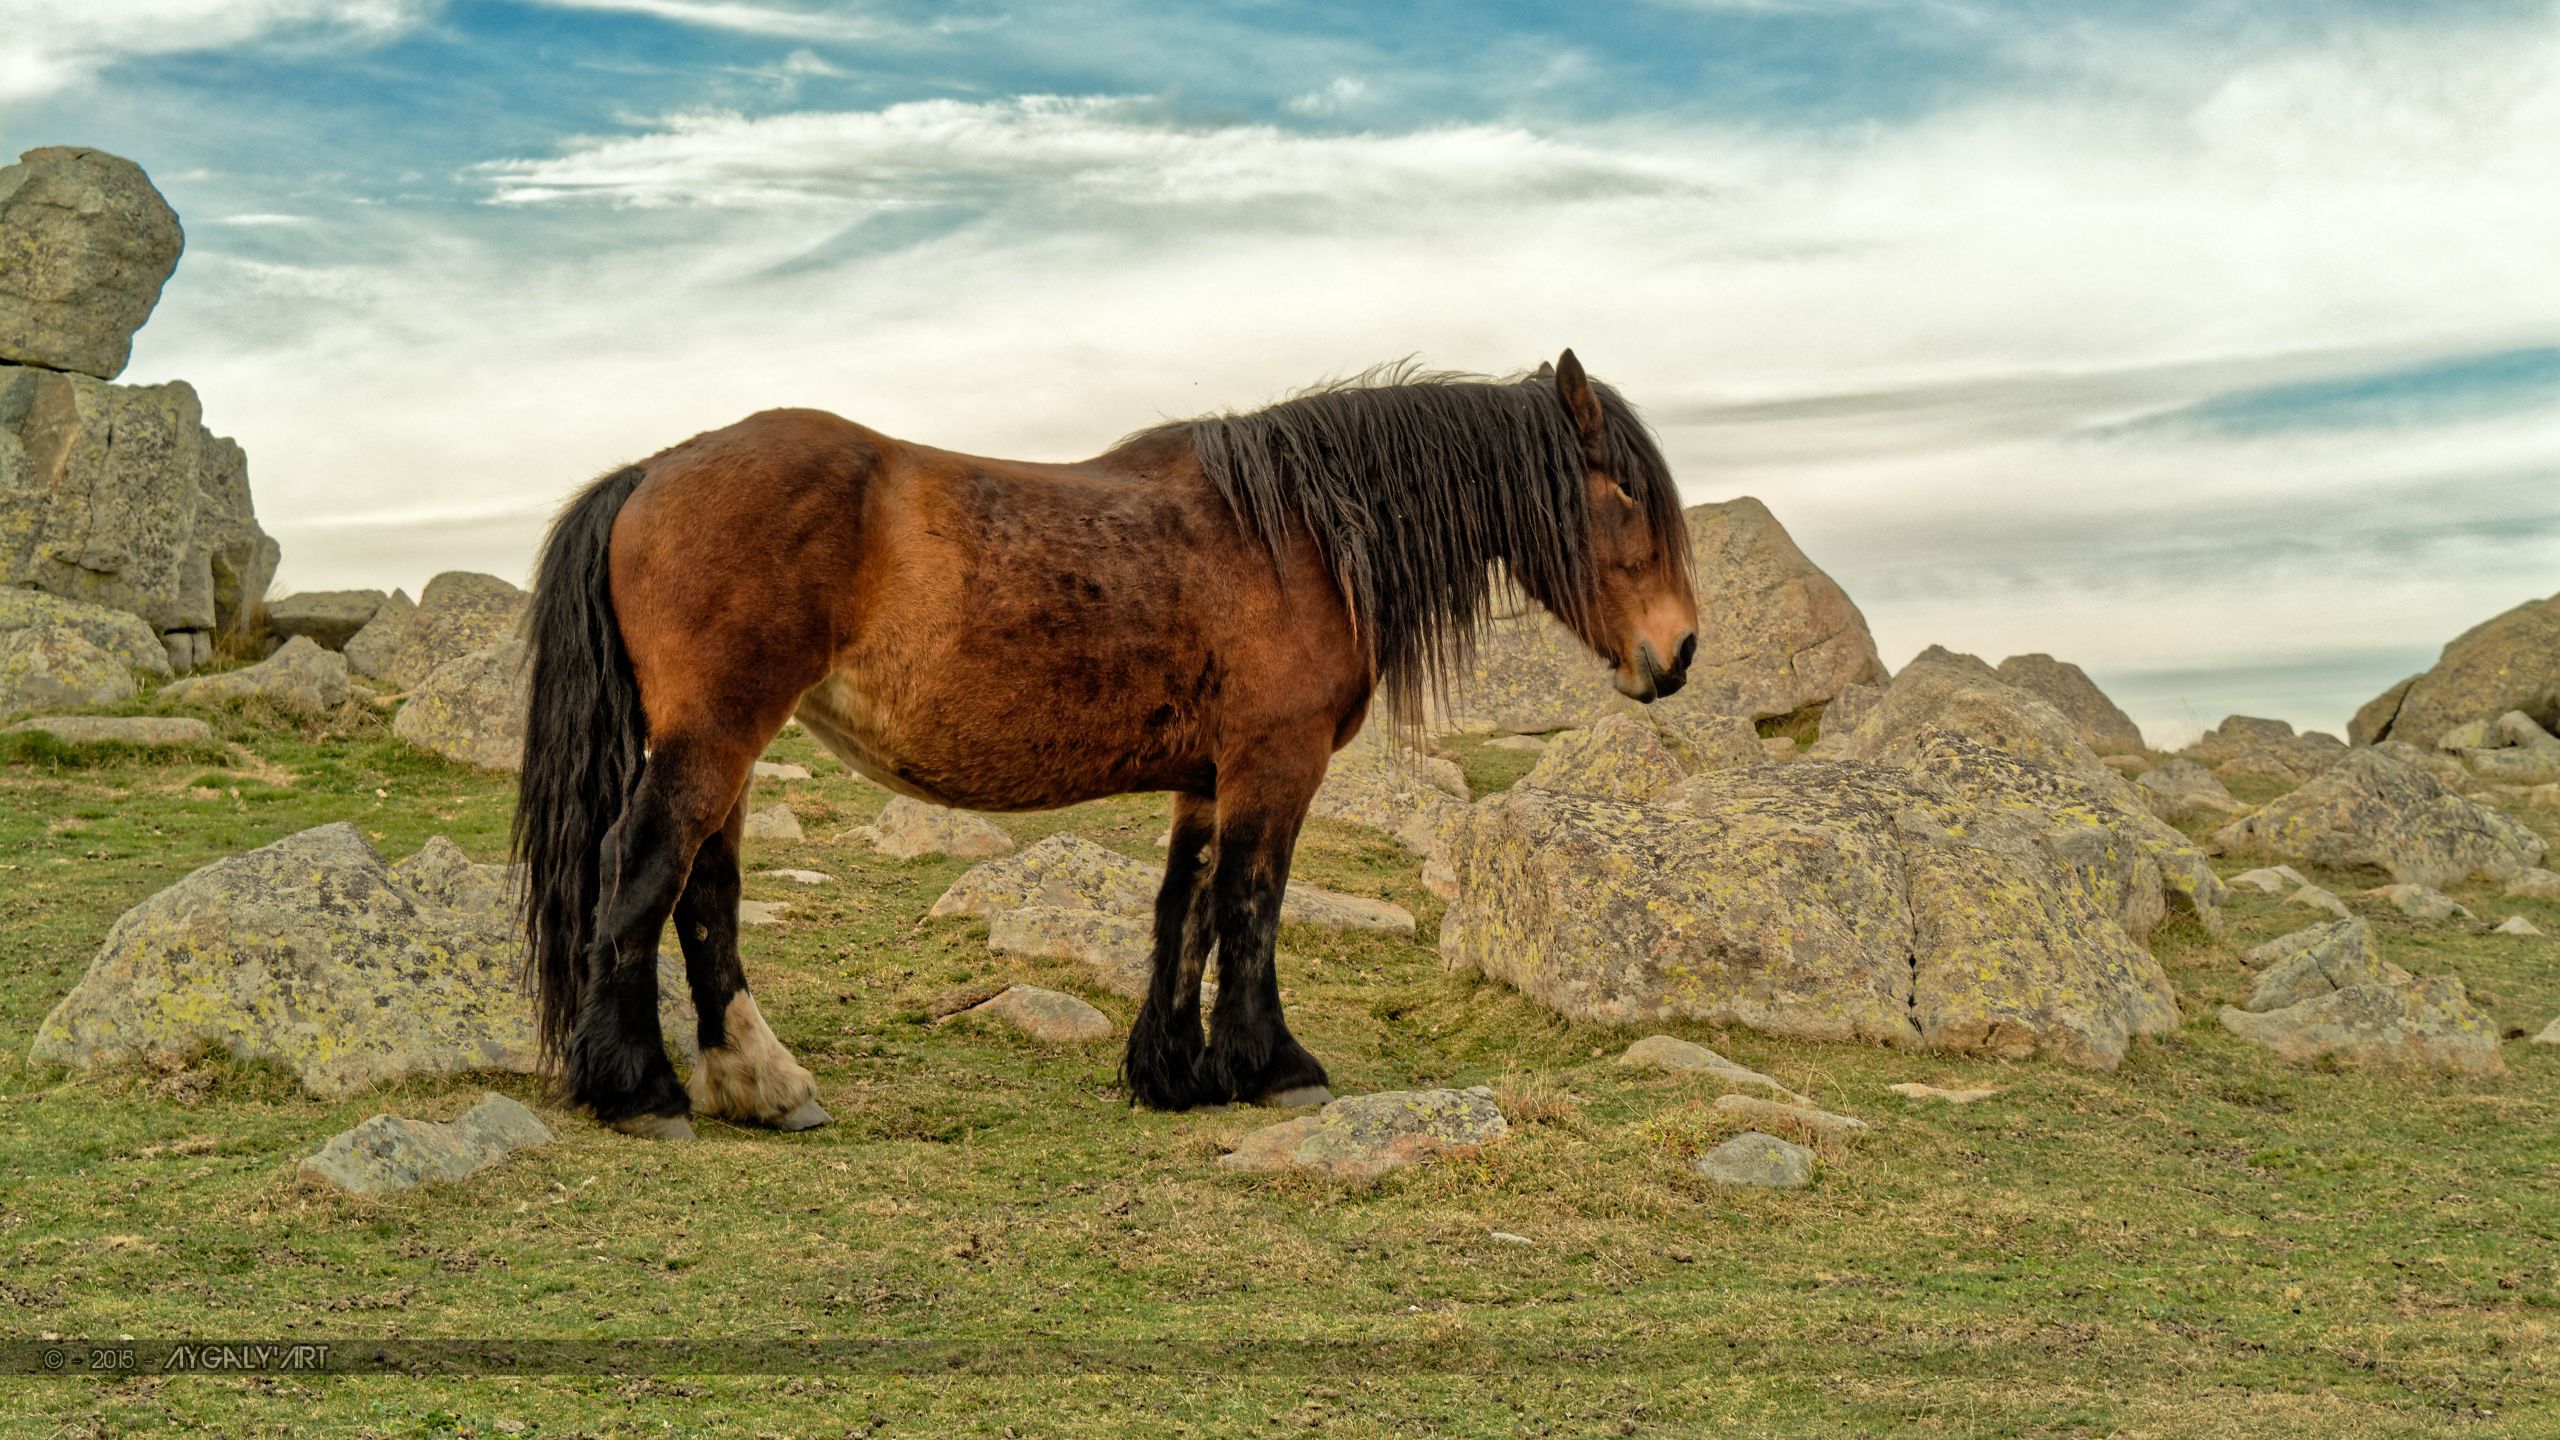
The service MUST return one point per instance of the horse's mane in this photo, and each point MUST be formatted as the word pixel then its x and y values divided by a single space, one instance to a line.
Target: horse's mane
pixel 1414 484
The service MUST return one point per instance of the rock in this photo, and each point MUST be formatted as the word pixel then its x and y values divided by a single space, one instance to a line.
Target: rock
pixel 2369 811
pixel 1825 900
pixel 301 676
pixel 330 617
pixel 760 912
pixel 1618 758
pixel 2094 718
pixel 2182 788
pixel 1665 1052
pixel 389 1152
pixel 1118 948
pixel 117 729
pixel 88 243
pixel 2373 718
pixel 1762 1161
pixel 1779 748
pixel 2420 902
pixel 1775 636
pixel 2518 729
pixel 774 822
pixel 120 634
pixel 457 614
pixel 1523 744
pixel 1700 741
pixel 2549 1034
pixel 1046 1015
pixel 2312 897
pixel 2271 879
pixel 1850 706
pixel 370 651
pixel 1773 1112
pixel 2314 962
pixel 314 954
pixel 773 770
pixel 1069 872
pixel 1397 791
pixel 2428 1024
pixel 1918 1091
pixel 118 496
pixel 2244 744
pixel 2515 925
pixel 2534 884
pixel 2509 662
pixel 2535 765
pixel 797 877
pixel 2469 735
pixel 472 709
pixel 908 828
pixel 47 667
pixel 1362 1137
pixel 2449 770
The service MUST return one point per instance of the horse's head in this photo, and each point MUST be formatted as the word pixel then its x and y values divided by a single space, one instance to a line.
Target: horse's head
pixel 1636 608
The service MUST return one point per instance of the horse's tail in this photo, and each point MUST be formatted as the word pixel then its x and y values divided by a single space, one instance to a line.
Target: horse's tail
pixel 584 736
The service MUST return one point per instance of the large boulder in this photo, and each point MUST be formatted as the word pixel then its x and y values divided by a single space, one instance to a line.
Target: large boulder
pixel 370 651
pixel 1619 758
pixel 2067 688
pixel 1776 636
pixel 2508 662
pixel 330 617
pixel 47 667
pixel 313 953
pixel 117 632
pixel 458 614
pixel 2248 744
pixel 86 243
pixel 1828 900
pixel 2371 812
pixel 471 709
pixel 301 676
pixel 2425 1024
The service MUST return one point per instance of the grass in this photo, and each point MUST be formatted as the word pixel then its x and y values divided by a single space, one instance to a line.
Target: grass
pixel 2203 1243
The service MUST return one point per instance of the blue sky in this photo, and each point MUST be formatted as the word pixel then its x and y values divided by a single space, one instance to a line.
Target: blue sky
pixel 2213 345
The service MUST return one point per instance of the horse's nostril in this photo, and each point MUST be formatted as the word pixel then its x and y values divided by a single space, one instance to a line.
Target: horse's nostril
pixel 1688 652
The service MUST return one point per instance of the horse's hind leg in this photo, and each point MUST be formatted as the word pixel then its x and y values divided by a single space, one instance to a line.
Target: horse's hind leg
pixel 1251 1055
pixel 744 1073
pixel 1162 1064
pixel 616 1058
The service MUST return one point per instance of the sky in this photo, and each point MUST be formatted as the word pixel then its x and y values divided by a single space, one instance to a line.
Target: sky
pixel 2212 345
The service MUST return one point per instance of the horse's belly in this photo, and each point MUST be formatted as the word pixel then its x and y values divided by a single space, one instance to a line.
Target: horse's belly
pixel 992 750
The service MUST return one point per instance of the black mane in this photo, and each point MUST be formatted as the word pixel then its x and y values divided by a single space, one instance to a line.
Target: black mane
pixel 1415 485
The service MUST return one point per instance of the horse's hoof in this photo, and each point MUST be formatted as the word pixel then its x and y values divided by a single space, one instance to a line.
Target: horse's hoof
pixel 656 1127
pixel 1297 1097
pixel 807 1115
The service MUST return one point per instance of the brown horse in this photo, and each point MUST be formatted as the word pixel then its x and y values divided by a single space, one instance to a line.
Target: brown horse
pixel 1207 609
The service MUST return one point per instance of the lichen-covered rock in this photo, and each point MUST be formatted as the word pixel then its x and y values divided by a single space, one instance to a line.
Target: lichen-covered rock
pixel 1849 708
pixel 459 612
pixel 2373 718
pixel 1617 758
pixel 2420 902
pixel 117 729
pixel 47 667
pixel 908 828
pixel 1667 1052
pixel 2313 962
pixel 1775 636
pixel 1362 1137
pixel 313 953
pixel 2508 662
pixel 330 617
pixel 1701 741
pixel 1760 1161
pixel 2248 745
pixel 2426 1024
pixel 1942 692
pixel 301 676
pixel 1046 1015
pixel 2067 688
pixel 2449 770
pixel 391 1152
pixel 119 633
pixel 1826 900
pixel 2535 884
pixel 1116 947
pixel 2183 788
pixel 1396 790
pixel 471 709
pixel 2271 879
pixel 86 242
pixel 2536 765
pixel 2312 897
pixel 774 822
pixel 1069 872
pixel 2372 812
pixel 371 651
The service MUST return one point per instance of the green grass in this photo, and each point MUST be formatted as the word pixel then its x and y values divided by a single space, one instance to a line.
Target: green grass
pixel 2202 1243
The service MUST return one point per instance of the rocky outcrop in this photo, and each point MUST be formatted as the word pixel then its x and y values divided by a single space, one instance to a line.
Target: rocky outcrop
pixel 1775 636
pixel 907 828
pixel 86 243
pixel 1363 1137
pixel 1618 758
pixel 471 709
pixel 314 954
pixel 458 614
pixel 2508 662
pixel 2371 812
pixel 2246 744
pixel 2425 1024
pixel 330 617
pixel 2067 688
pixel 49 667
pixel 391 1152
pixel 301 676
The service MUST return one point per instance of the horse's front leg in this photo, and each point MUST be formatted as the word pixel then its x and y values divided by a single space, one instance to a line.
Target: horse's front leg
pixel 1252 1056
pixel 1162 1065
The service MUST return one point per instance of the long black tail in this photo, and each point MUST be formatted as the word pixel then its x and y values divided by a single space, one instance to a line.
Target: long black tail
pixel 583 740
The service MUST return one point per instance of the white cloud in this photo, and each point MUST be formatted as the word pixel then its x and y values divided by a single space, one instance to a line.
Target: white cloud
pixel 829 23
pixel 53 44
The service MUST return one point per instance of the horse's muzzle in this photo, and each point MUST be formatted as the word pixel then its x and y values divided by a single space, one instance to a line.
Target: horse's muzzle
pixel 1655 680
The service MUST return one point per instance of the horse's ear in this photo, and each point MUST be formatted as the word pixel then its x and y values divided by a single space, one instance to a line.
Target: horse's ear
pixel 1581 404
pixel 1546 370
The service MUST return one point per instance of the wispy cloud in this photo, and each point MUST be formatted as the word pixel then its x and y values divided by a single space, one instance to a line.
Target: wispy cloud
pixel 55 43
pixel 829 22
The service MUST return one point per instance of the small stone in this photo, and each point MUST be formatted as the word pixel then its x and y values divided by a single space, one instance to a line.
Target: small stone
pixel 797 877
pixel 2420 902
pixel 1362 1137
pixel 1303 904
pixel 778 770
pixel 457 614
pixel 2516 925
pixel 2271 879
pixel 1762 1161
pixel 1772 1112
pixel 1507 1238
pixel 1046 1015
pixel 1667 1052
pixel 1521 744
pixel 2534 884
pixel 118 729
pixel 2550 1034
pixel 2312 897
pixel 760 912
pixel 774 822
pixel 1918 1091
pixel 909 827
pixel 391 1152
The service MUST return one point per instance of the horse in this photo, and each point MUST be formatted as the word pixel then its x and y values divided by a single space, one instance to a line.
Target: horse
pixel 1207 608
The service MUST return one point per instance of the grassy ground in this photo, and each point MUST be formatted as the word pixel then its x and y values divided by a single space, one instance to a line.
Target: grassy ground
pixel 2203 1243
